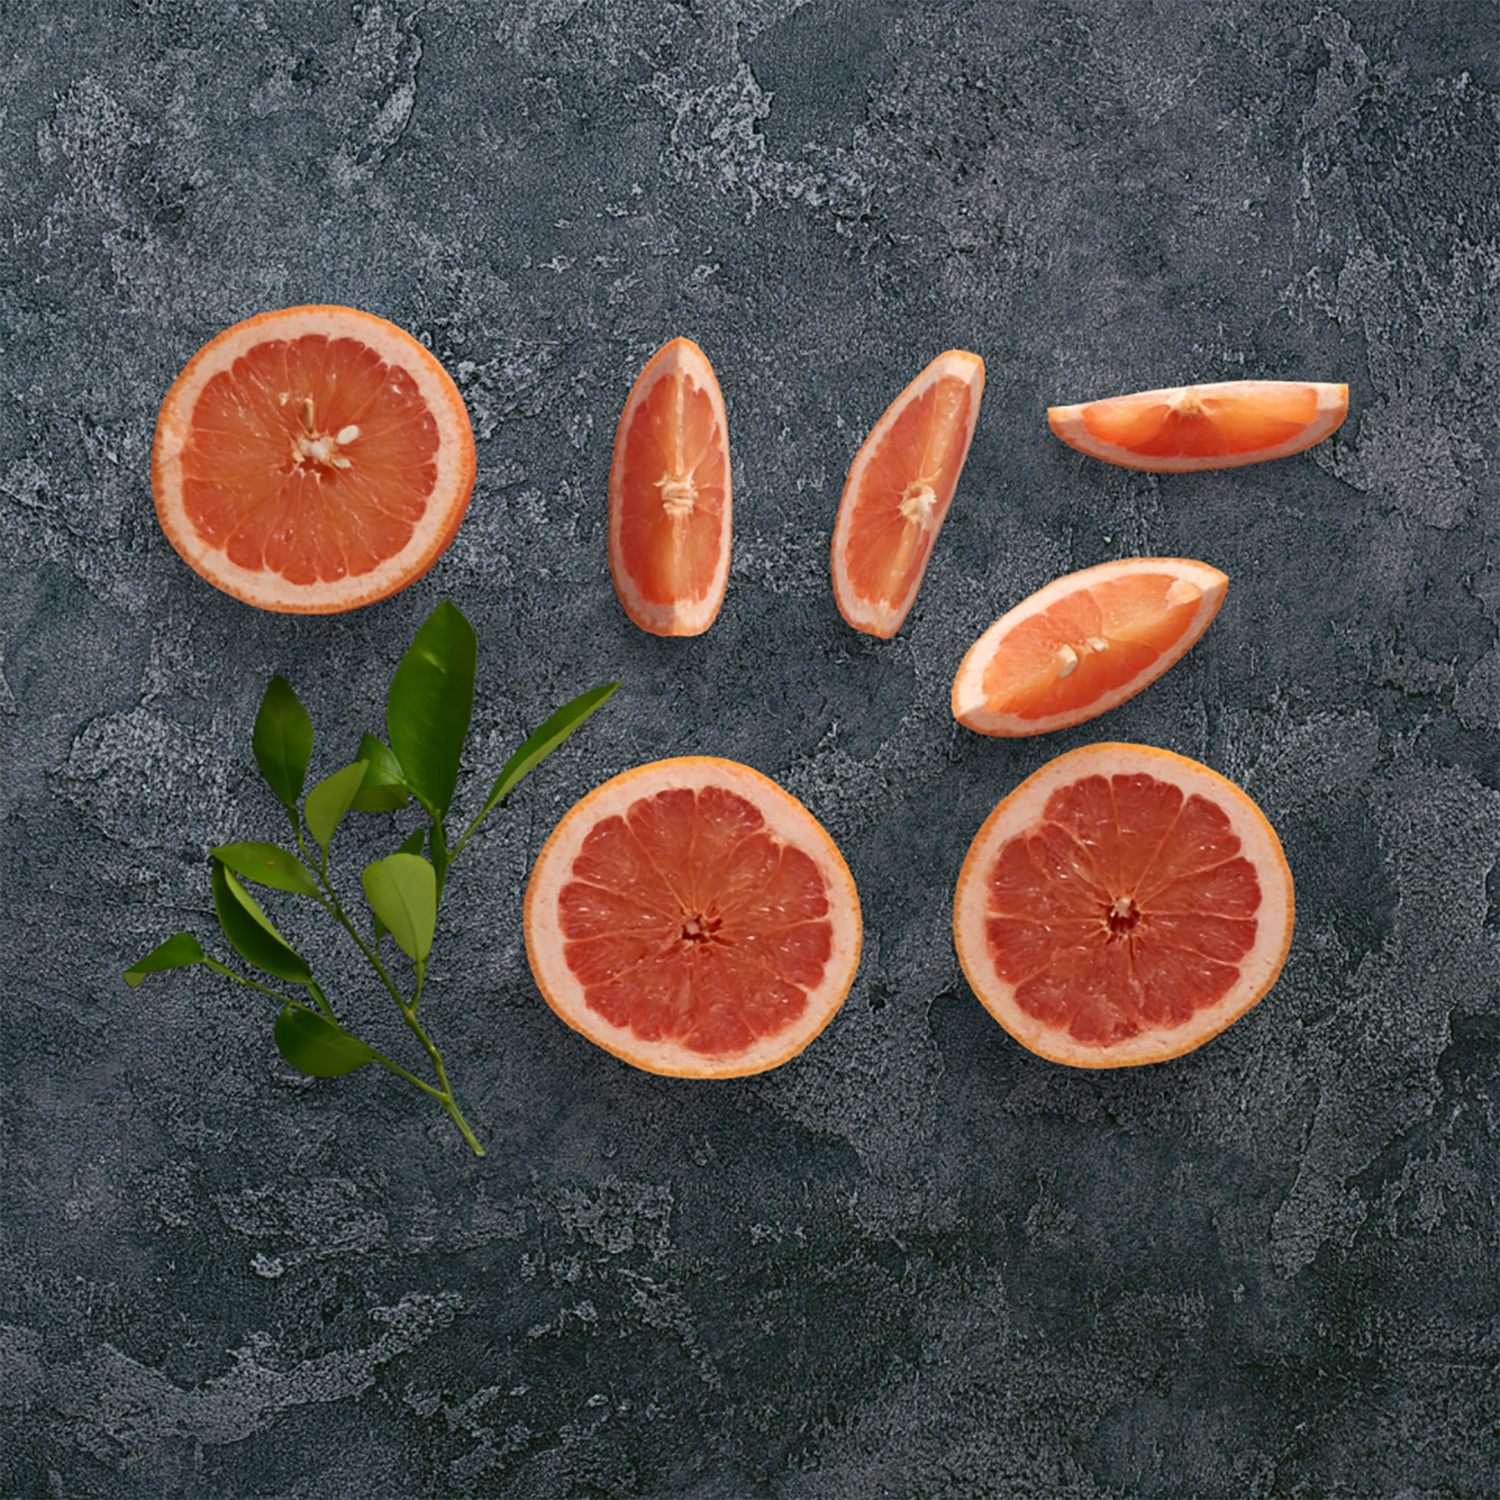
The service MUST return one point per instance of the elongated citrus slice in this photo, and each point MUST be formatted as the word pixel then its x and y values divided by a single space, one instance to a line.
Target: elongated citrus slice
pixel 1122 906
pixel 898 492
pixel 694 919
pixel 670 502
pixel 312 460
pixel 1191 427
pixel 1085 643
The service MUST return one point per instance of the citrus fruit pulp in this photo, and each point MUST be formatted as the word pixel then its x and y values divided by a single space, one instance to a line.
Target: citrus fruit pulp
pixel 670 501
pixel 1122 906
pixel 1192 427
pixel 694 919
pixel 312 460
pixel 898 492
pixel 1084 643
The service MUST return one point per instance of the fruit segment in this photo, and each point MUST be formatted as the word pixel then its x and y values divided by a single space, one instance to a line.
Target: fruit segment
pixel 1193 427
pixel 898 491
pixel 670 503
pixel 1084 644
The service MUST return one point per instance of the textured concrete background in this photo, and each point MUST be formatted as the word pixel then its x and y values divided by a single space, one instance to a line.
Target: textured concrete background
pixel 916 1261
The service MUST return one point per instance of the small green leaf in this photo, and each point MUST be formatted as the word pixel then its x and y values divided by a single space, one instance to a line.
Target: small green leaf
pixel 430 703
pixel 332 797
pixel 383 789
pixel 412 844
pixel 179 950
pixel 266 864
pixel 250 932
pixel 283 741
pixel 402 892
pixel 543 742
pixel 314 1045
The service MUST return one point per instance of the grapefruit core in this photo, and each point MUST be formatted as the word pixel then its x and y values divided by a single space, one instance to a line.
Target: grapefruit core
pixel 898 492
pixel 312 460
pixel 670 500
pixel 1191 427
pixel 1122 906
pixel 1085 643
pixel 694 919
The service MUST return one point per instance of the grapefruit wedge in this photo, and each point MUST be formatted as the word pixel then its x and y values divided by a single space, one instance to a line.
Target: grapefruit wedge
pixel 1190 427
pixel 1122 906
pixel 1085 643
pixel 312 460
pixel 898 492
pixel 670 503
pixel 694 919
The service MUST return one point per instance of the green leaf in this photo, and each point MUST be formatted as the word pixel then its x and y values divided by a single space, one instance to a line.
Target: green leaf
pixel 283 741
pixel 412 844
pixel 314 1045
pixel 430 703
pixel 543 742
pixel 177 952
pixel 402 892
pixel 332 797
pixel 250 932
pixel 266 864
pixel 382 790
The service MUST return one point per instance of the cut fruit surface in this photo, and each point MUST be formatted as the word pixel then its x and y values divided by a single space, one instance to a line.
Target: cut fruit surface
pixel 1085 643
pixel 694 919
pixel 312 460
pixel 670 501
pixel 1191 427
pixel 1122 906
pixel 898 492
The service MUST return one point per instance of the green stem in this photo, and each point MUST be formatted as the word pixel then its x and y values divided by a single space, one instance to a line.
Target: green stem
pixel 444 1092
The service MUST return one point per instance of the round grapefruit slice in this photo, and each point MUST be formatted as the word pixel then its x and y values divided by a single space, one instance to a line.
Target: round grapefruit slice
pixel 898 492
pixel 670 502
pixel 1085 643
pixel 312 460
pixel 694 919
pixel 1190 427
pixel 1122 906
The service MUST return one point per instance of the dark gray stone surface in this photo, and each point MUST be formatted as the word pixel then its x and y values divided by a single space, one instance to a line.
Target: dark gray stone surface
pixel 916 1261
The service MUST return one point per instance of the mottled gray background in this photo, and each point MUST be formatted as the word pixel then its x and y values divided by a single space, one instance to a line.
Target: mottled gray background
pixel 916 1261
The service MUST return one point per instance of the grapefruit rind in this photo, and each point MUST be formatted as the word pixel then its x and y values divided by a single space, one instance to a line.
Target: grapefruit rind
pixel 973 710
pixel 450 494
pixel 786 819
pixel 1023 810
pixel 883 617
pixel 683 617
pixel 1070 423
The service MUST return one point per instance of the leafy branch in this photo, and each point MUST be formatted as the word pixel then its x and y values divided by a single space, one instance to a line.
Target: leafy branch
pixel 428 711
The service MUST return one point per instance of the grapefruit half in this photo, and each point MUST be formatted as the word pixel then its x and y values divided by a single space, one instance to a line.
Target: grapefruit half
pixel 898 492
pixel 694 919
pixel 312 460
pixel 1085 643
pixel 670 499
pixel 1190 427
pixel 1122 906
